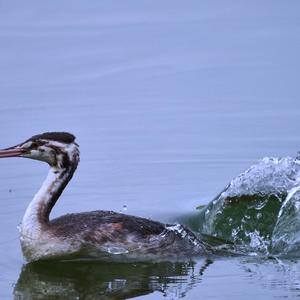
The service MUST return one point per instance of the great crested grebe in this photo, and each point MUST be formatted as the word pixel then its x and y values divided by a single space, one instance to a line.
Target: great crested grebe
pixel 103 235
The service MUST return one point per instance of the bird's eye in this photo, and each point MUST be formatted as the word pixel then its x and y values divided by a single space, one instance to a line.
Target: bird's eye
pixel 34 145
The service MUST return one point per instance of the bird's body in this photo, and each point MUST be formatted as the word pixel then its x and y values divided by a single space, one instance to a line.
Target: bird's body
pixel 107 235
pixel 103 235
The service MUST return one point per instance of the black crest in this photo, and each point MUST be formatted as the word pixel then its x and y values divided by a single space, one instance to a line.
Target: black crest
pixel 63 137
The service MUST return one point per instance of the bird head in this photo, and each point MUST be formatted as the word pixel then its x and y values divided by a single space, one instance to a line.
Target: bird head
pixel 58 149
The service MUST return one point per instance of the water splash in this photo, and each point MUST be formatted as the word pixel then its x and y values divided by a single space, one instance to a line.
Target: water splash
pixel 259 208
pixel 124 209
pixel 184 234
pixel 117 250
pixel 269 176
pixel 286 234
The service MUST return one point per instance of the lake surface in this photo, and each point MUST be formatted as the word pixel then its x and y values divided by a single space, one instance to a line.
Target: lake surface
pixel 169 101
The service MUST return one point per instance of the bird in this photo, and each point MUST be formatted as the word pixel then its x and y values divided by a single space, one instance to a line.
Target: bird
pixel 100 235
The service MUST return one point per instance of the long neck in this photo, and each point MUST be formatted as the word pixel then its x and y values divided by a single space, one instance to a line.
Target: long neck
pixel 36 217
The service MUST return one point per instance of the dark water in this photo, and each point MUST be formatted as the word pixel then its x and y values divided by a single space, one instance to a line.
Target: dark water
pixel 169 101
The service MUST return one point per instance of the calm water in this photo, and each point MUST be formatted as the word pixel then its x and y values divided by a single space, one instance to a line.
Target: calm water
pixel 169 101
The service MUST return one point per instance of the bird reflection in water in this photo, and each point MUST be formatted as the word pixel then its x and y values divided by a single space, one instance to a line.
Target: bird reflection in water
pixel 95 280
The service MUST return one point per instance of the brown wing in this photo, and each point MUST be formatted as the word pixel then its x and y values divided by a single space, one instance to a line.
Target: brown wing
pixel 104 223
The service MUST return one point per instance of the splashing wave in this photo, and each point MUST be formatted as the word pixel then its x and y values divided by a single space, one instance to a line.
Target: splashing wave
pixel 259 209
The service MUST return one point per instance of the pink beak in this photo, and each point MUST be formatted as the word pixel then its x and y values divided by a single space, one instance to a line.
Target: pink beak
pixel 13 152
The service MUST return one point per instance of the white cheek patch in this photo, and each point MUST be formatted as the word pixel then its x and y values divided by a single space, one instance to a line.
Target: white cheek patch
pixel 33 154
pixel 46 154
pixel 43 153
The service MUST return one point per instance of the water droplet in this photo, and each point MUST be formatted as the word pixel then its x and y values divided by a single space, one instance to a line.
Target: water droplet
pixel 117 250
